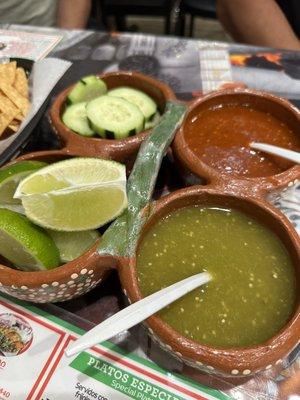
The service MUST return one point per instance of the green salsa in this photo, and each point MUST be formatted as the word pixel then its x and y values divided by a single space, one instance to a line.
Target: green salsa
pixel 253 291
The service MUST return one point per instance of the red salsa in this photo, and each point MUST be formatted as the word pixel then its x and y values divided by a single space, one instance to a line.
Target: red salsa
pixel 220 136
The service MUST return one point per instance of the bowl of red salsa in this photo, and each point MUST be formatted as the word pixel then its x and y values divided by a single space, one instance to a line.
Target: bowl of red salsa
pixel 213 143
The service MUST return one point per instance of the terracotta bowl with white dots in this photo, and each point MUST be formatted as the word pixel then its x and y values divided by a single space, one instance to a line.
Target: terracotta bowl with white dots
pixel 230 362
pixel 216 159
pixel 81 275
pixel 65 282
pixel 122 150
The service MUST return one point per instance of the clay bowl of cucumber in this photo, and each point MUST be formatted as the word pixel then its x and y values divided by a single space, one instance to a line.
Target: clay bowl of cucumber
pixel 109 115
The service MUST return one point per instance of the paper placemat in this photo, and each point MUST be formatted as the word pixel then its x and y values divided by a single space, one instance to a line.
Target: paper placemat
pixel 106 372
pixel 21 44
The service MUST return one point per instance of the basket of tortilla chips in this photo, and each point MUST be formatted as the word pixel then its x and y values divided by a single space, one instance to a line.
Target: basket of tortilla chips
pixel 14 97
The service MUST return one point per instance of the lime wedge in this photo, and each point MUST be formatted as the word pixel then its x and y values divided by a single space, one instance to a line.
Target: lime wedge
pixel 73 244
pixel 27 246
pixel 10 177
pixel 74 195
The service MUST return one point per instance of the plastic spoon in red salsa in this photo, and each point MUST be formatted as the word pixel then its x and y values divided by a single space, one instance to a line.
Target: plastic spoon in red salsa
pixel 290 155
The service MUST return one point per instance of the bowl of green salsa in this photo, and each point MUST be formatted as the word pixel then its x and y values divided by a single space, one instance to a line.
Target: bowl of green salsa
pixel 248 318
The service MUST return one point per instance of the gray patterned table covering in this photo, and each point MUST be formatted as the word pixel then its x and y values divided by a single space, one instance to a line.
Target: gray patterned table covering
pixel 188 66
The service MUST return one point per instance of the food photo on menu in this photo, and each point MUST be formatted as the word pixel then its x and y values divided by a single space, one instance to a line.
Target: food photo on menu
pixel 149 200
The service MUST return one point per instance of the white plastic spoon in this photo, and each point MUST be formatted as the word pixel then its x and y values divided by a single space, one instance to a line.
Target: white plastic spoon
pixel 136 313
pixel 277 151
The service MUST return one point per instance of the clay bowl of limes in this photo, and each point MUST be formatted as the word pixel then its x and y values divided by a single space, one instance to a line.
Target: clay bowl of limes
pixel 52 203
pixel 109 115
pixel 52 225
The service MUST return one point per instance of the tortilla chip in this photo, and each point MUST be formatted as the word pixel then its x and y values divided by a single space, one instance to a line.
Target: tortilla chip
pixel 19 116
pixel 7 106
pixel 21 82
pixel 14 97
pixel 5 120
pixel 8 72
pixel 21 102
pixel 14 125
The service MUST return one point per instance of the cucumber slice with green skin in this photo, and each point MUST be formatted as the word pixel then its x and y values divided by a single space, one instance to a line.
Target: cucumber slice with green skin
pixel 88 88
pixel 153 121
pixel 114 116
pixel 75 118
pixel 144 102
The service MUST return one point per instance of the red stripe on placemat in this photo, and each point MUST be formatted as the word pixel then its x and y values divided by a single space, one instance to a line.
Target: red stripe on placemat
pixel 150 374
pixel 46 325
pixel 33 318
pixel 54 366
pixel 29 397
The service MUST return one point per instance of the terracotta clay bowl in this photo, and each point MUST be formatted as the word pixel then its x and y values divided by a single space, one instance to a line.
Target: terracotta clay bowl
pixel 65 282
pixel 81 275
pixel 234 362
pixel 123 150
pixel 192 166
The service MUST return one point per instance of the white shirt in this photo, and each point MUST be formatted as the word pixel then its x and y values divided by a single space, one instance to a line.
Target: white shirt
pixel 28 12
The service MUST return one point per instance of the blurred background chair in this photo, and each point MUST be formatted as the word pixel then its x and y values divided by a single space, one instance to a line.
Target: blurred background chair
pixel 120 9
pixel 195 8
pixel 196 18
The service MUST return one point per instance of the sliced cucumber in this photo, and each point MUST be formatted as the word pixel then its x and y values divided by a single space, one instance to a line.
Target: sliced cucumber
pixel 151 123
pixel 114 117
pixel 88 88
pixel 134 96
pixel 75 118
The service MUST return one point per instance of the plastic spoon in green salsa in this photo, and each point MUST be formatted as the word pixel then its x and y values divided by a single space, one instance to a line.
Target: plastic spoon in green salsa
pixel 137 312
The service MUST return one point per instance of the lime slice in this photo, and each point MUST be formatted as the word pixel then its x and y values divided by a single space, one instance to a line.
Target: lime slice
pixel 25 245
pixel 10 177
pixel 74 195
pixel 73 244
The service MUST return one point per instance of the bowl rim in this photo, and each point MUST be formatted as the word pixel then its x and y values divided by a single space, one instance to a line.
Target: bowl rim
pixel 18 278
pixel 231 361
pixel 71 138
pixel 185 156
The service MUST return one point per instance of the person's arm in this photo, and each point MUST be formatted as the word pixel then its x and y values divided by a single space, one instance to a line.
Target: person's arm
pixel 257 22
pixel 73 14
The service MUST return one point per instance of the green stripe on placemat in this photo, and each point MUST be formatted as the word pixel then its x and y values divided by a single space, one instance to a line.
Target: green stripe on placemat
pixel 132 385
pixel 45 314
pixel 119 379
pixel 150 364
